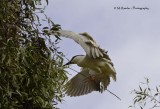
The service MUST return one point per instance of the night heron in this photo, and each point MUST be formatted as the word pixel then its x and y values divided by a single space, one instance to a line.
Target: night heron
pixel 96 66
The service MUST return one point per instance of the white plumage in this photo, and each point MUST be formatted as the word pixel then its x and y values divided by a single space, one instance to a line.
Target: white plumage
pixel 85 41
pixel 96 65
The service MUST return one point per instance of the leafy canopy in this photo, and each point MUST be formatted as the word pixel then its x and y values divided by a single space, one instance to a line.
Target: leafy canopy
pixel 31 72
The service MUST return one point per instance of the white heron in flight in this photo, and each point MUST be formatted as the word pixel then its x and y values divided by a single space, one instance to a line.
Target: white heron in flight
pixel 96 66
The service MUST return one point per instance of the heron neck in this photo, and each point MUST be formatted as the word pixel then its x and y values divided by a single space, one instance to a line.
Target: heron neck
pixel 80 59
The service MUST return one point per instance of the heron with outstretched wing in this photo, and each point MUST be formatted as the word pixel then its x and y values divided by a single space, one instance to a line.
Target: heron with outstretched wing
pixel 97 67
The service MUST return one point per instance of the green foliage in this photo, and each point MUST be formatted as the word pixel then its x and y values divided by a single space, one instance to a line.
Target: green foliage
pixel 146 97
pixel 31 72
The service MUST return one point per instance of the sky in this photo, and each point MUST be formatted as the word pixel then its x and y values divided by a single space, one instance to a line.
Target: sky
pixel 130 35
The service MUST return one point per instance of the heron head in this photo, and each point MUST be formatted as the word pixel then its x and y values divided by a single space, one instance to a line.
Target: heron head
pixel 75 59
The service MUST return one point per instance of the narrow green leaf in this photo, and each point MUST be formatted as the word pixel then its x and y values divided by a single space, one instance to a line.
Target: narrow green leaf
pixel 156 94
pixel 139 99
pixel 3 57
pixel 157 89
pixel 18 92
pixel 45 27
pixel 135 101
pixel 140 88
pixel 47 2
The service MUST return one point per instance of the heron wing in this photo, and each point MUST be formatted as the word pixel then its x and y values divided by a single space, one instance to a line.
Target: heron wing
pixel 81 84
pixel 85 41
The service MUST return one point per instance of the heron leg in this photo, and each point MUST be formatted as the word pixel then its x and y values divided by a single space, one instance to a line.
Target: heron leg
pixel 101 87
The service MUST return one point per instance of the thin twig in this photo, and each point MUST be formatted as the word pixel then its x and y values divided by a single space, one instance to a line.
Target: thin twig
pixel 152 98
pixel 73 69
pixel 114 94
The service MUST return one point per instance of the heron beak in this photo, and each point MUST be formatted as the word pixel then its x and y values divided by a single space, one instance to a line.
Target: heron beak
pixel 67 63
